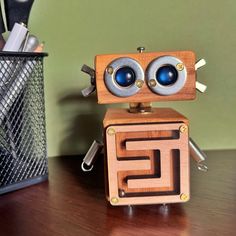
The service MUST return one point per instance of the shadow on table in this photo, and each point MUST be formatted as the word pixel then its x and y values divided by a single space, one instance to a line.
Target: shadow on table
pixel 84 118
pixel 92 183
pixel 147 220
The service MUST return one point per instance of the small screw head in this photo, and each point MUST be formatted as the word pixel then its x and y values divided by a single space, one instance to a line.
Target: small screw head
pixel 114 200
pixel 111 131
pixel 180 66
pixel 141 49
pixel 152 83
pixel 139 83
pixel 122 192
pixel 110 70
pixel 184 197
pixel 183 128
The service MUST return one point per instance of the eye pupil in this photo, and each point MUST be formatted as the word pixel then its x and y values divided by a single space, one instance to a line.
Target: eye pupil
pixel 125 76
pixel 166 75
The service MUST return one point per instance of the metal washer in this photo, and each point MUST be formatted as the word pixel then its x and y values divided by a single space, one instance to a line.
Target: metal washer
pixel 170 89
pixel 112 85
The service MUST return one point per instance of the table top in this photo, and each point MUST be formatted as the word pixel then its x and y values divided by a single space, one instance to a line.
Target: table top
pixel 73 203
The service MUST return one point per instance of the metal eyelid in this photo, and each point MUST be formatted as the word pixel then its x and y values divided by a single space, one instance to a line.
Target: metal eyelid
pixel 110 73
pixel 158 63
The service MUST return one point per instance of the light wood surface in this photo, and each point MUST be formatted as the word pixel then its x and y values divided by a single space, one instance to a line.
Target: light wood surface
pixel 153 155
pixel 145 94
pixel 146 162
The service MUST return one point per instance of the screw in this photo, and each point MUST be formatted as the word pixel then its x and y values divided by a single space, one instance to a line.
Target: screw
pixel 183 128
pixel 184 197
pixel 180 66
pixel 152 83
pixel 110 70
pixel 122 192
pixel 141 49
pixel 114 200
pixel 111 131
pixel 139 83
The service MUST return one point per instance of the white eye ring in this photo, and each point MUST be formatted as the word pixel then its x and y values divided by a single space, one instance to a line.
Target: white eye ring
pixel 169 89
pixel 110 74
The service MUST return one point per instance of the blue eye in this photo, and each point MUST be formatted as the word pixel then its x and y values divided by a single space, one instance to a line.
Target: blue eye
pixel 125 76
pixel 166 75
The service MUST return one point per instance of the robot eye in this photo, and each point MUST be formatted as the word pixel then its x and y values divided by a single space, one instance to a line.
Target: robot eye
pixel 166 75
pixel 124 77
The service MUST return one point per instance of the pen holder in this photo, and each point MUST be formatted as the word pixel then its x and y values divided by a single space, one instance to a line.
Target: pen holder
pixel 23 151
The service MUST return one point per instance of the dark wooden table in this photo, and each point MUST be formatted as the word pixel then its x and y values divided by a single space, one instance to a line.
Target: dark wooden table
pixel 73 203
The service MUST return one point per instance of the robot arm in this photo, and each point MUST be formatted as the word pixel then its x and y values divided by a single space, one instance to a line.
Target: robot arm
pixel 91 155
pixel 198 155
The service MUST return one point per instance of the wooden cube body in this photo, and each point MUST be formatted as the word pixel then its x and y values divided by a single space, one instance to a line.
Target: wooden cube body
pixel 147 157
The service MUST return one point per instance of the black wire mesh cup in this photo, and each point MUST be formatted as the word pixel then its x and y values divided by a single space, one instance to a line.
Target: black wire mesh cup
pixel 23 151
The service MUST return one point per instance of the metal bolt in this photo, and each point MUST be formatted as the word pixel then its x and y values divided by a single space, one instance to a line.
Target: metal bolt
pixel 139 83
pixel 122 192
pixel 110 70
pixel 152 83
pixel 114 200
pixel 111 131
pixel 183 128
pixel 180 66
pixel 141 49
pixel 184 197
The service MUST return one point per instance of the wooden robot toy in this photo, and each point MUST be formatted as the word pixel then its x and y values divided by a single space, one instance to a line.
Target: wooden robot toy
pixel 146 149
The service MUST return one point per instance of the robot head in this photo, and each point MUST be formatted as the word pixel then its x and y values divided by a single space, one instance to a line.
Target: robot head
pixel 146 77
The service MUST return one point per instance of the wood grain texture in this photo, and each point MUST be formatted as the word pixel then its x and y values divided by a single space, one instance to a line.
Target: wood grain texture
pixel 153 155
pixel 73 203
pixel 119 116
pixel 146 189
pixel 115 116
pixel 188 92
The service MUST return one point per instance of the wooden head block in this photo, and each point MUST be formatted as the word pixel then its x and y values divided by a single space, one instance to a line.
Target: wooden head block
pixel 145 94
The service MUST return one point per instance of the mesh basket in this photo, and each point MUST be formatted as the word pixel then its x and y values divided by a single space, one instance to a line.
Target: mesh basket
pixel 23 154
